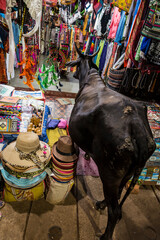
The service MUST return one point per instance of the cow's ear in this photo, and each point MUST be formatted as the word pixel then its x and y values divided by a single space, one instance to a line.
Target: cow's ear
pixel 72 63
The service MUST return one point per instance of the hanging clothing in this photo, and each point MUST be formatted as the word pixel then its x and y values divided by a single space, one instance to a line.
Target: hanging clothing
pixel 103 56
pixel 108 56
pixel 133 31
pixel 114 23
pixel 128 21
pixel 120 29
pixel 137 56
pixel 96 47
pixel 97 26
pixel 101 45
pixel 113 57
pixel 145 45
pixel 105 18
pixel 16 32
pixel 85 24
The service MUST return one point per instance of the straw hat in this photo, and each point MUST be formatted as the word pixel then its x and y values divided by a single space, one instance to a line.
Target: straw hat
pixel 64 150
pixel 27 151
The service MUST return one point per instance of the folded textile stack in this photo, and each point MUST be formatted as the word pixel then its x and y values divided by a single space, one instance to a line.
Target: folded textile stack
pixel 64 160
pixel 24 162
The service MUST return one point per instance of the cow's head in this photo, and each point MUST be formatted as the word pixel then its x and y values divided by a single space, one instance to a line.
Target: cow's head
pixel 84 63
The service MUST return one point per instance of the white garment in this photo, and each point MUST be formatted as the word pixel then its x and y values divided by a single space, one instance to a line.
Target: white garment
pixel 10 4
pixel 97 26
pixel 108 55
pixel 9 75
pixel 35 10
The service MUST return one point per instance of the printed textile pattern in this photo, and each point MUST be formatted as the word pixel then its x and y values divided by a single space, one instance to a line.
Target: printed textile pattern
pixel 151 27
pixel 122 4
pixel 154 52
pixel 114 23
pixel 132 36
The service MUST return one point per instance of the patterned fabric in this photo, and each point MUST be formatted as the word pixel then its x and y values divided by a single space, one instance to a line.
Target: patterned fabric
pixel 133 31
pixel 111 62
pixel 114 23
pixel 115 78
pixel 12 194
pixel 151 28
pixel 22 183
pixel 154 52
pixel 122 4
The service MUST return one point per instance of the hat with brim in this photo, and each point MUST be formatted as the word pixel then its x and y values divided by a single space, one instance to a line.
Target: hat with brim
pixel 26 152
pixel 63 150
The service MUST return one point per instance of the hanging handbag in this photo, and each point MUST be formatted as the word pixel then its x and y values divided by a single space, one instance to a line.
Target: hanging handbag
pixel 130 82
pixel 151 28
pixel 116 75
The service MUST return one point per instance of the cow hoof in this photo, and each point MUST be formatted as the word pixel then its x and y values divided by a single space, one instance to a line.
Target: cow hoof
pixel 100 205
pixel 99 236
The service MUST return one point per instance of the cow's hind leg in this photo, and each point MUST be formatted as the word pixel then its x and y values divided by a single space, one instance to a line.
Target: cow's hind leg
pixel 101 205
pixel 114 214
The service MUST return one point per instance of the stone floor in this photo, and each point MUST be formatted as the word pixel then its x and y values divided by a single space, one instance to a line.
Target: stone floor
pixel 70 84
pixel 77 218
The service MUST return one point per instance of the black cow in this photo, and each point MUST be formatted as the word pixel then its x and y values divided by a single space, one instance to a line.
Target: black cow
pixel 114 130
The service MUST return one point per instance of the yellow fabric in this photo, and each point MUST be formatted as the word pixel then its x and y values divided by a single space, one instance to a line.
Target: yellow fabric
pixel 54 134
pixel 12 194
pixel 122 4
pixel 85 24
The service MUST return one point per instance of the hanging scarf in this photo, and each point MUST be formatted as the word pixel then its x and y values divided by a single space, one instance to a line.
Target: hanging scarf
pixel 133 31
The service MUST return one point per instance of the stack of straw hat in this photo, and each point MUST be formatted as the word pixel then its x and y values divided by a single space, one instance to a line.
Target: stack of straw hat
pixel 24 162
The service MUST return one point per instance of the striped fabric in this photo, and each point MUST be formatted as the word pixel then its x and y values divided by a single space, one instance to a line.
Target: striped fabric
pixel 115 78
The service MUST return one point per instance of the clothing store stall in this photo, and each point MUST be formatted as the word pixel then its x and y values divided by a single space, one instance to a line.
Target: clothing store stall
pixel 38 38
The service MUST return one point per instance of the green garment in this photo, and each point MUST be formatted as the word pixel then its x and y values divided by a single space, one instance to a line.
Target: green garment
pixel 101 45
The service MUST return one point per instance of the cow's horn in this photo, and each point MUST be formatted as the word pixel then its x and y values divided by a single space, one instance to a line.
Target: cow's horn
pixel 94 54
pixel 78 50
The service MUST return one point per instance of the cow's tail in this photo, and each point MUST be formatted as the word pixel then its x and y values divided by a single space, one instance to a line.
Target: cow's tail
pixel 132 184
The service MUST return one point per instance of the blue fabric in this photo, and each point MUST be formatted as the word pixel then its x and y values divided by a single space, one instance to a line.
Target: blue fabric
pixel 103 57
pixel 16 33
pixel 44 137
pixel 22 182
pixel 52 123
pixel 2 15
pixel 145 45
pixel 95 58
pixel 120 29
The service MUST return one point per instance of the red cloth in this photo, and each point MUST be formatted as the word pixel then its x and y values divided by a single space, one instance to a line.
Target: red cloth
pixel 3 6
